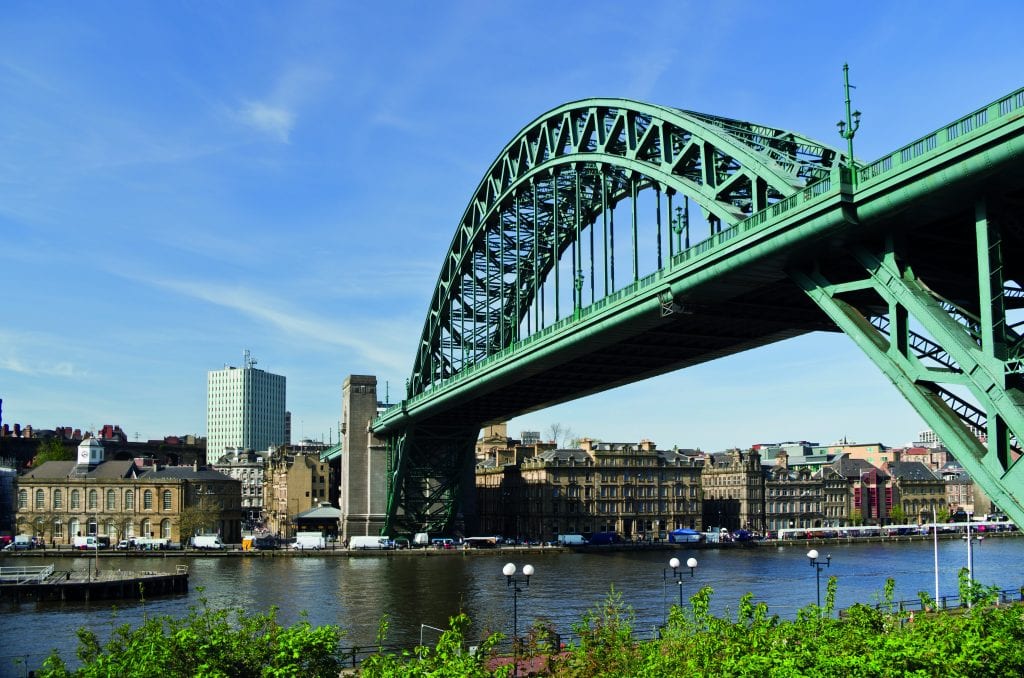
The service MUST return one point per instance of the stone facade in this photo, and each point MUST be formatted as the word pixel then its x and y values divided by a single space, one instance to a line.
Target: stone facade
pixel 733 485
pixel 296 481
pixel 363 493
pixel 635 490
pixel 60 500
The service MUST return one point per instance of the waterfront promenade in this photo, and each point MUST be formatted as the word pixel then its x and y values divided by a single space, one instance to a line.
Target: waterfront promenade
pixel 235 550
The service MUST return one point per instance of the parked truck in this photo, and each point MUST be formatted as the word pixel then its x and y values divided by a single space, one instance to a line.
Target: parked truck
pixel 309 540
pixel 207 541
pixel 421 540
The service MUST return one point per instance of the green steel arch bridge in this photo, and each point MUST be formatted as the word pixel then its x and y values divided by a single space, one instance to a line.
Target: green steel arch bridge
pixel 613 240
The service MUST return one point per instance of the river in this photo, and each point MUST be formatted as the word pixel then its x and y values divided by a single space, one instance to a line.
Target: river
pixel 414 590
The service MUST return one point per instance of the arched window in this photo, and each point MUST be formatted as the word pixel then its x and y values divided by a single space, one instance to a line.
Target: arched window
pixel 22 499
pixel 58 529
pixel 111 530
pixel 165 528
pixel 129 529
pixel 58 499
pixel 76 503
pixel 147 528
pixel 74 529
pixel 111 500
pixel 40 500
pixel 167 500
pixel 94 500
pixel 92 527
pixel 147 500
pixel 129 500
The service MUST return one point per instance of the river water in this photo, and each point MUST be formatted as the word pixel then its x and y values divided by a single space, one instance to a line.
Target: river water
pixel 420 589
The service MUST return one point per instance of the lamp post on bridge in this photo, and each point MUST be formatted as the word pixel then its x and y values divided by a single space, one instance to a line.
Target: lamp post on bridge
pixel 681 226
pixel 578 285
pixel 849 127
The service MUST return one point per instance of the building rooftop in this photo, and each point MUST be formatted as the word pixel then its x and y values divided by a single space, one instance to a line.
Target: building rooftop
pixel 57 470
pixel 911 470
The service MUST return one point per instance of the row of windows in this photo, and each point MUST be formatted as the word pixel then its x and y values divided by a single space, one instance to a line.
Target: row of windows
pixel 92 500
pixel 109 528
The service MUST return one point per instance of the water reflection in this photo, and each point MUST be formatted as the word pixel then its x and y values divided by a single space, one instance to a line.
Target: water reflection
pixel 355 593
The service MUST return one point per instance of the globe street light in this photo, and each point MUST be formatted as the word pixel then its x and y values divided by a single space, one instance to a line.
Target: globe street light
pixel 812 556
pixel 678 576
pixel 513 582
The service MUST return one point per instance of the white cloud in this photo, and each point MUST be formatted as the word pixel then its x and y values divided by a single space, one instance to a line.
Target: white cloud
pixel 276 121
pixel 13 346
pixel 264 308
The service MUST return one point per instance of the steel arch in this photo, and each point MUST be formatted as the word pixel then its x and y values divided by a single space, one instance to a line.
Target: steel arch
pixel 571 165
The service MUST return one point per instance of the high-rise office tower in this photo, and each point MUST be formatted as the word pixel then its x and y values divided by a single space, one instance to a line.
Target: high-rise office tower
pixel 245 407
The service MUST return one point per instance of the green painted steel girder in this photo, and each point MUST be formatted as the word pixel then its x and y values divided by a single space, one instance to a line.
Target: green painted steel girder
pixel 773 190
pixel 958 350
pixel 567 167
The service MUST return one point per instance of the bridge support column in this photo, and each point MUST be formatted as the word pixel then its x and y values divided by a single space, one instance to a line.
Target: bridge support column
pixel 962 344
pixel 363 495
pixel 431 480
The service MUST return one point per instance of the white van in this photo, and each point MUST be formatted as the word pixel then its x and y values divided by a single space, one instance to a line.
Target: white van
pixel 369 542
pixel 207 541
pixel 309 540
pixel 82 543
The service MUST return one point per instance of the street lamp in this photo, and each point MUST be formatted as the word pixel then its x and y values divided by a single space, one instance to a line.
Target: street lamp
pixel 970 556
pixel 513 582
pixel 812 556
pixel 678 576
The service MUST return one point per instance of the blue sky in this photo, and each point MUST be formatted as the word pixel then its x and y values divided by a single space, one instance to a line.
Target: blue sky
pixel 181 181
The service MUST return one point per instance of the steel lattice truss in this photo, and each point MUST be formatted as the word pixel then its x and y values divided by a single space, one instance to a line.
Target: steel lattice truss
pixel 553 185
pixel 555 180
pixel 918 257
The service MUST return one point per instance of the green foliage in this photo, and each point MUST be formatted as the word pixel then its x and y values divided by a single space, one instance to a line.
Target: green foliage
pixel 52 449
pixel 450 658
pixel 881 640
pixel 209 643
pixel 974 593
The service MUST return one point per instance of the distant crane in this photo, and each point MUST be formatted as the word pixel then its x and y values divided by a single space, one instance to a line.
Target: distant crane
pixel 247 359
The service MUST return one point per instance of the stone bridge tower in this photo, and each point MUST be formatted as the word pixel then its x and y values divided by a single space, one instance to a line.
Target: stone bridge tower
pixel 363 492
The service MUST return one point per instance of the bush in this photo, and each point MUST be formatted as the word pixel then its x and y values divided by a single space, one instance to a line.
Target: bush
pixel 210 643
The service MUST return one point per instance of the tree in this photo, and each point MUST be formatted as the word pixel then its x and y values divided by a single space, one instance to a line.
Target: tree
pixel 896 514
pixel 52 449
pixel 558 434
pixel 196 519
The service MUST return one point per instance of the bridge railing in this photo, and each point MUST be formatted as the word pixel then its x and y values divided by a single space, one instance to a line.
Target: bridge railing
pixel 951 133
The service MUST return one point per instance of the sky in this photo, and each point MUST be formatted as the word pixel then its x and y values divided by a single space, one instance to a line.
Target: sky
pixel 181 181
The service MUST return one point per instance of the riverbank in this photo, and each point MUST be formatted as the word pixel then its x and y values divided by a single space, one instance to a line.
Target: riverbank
pixel 236 552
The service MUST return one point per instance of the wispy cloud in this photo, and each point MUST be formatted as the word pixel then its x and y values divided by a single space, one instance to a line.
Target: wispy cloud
pixel 14 348
pixel 276 121
pixel 276 114
pixel 266 309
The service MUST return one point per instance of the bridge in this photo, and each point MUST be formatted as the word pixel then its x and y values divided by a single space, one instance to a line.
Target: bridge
pixel 613 240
